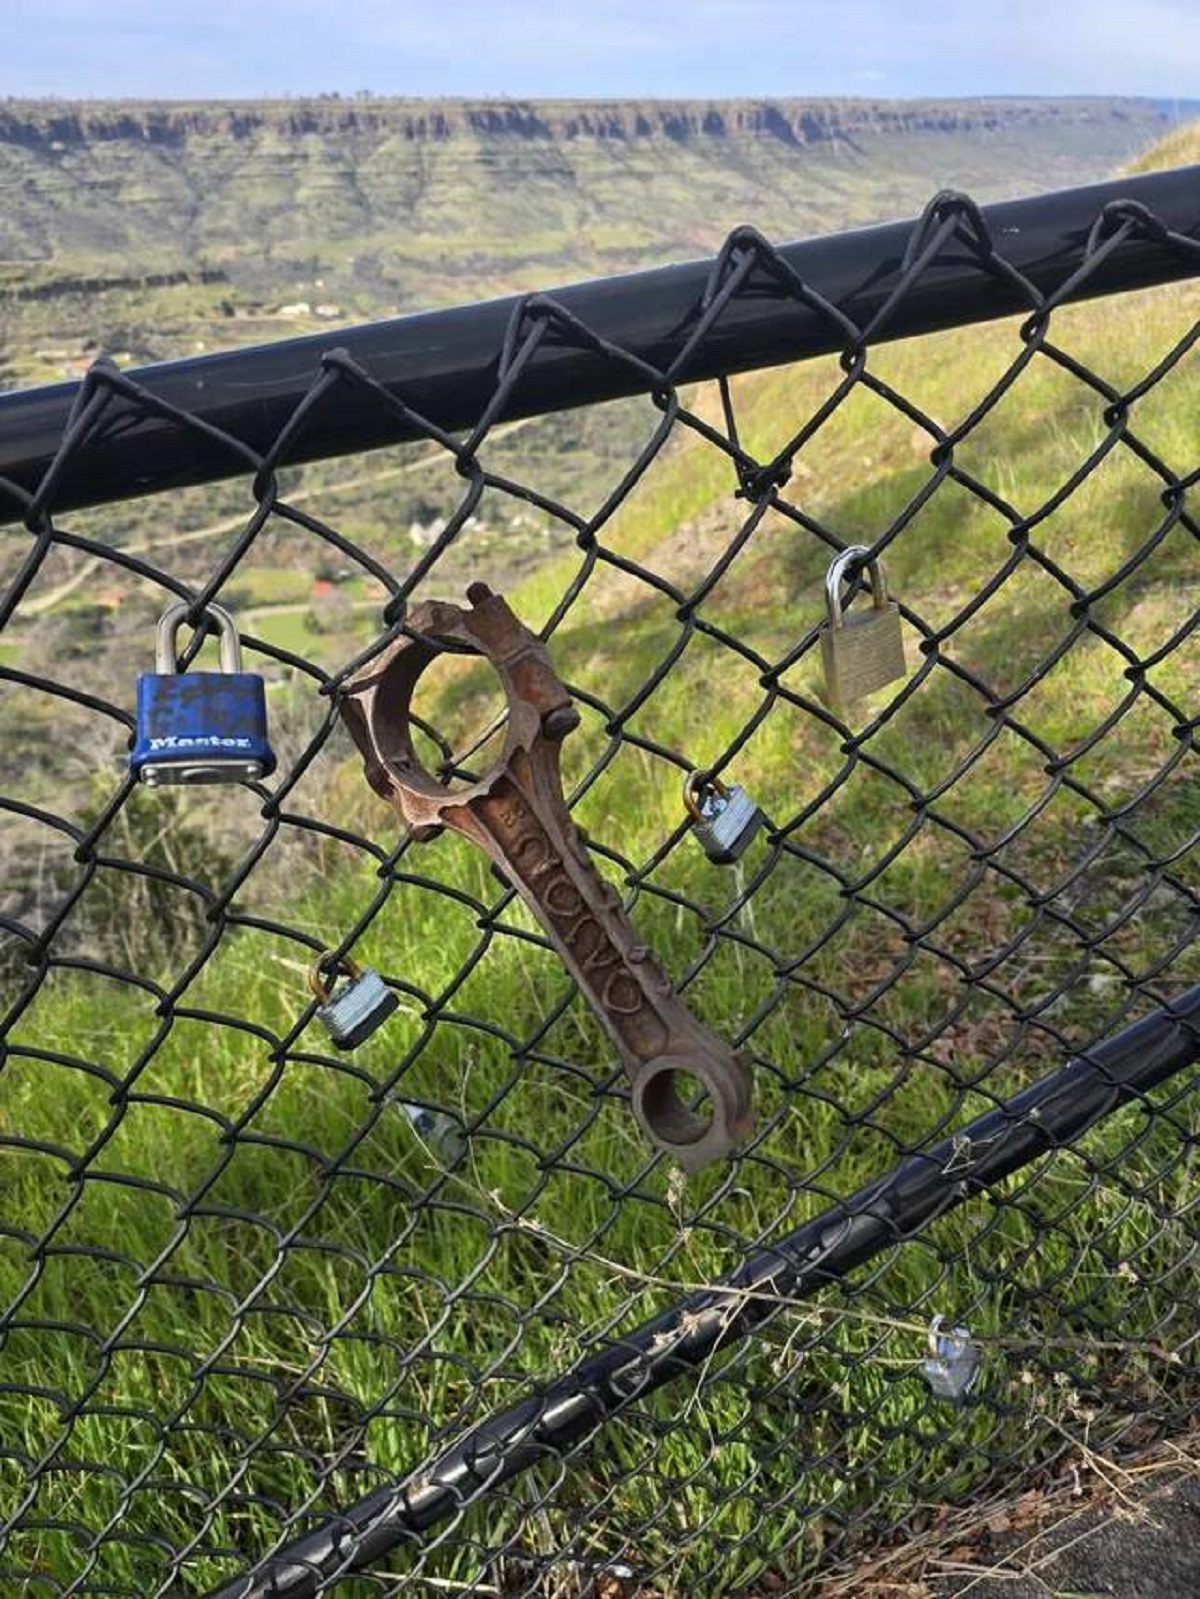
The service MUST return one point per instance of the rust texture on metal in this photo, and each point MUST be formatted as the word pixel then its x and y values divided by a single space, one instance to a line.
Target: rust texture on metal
pixel 517 813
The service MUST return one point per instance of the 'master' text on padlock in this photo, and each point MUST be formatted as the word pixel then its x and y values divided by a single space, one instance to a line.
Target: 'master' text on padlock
pixel 189 741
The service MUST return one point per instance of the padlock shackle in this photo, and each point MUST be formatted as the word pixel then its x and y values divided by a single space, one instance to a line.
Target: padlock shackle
pixel 317 980
pixel 699 779
pixel 853 555
pixel 173 618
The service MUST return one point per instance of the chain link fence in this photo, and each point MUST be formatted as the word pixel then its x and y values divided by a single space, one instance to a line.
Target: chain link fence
pixel 431 1316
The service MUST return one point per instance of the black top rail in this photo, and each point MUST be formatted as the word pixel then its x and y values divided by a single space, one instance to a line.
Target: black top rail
pixel 443 365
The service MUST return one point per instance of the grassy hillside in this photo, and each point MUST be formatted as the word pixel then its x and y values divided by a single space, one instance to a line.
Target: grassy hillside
pixel 1180 148
pixel 359 1340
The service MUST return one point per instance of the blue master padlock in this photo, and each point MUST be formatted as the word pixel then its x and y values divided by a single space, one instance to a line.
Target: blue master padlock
pixel 200 727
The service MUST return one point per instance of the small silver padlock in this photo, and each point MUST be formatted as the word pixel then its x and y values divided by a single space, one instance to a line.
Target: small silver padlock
pixel 355 1008
pixel 952 1364
pixel 862 650
pixel 725 820
pixel 442 1134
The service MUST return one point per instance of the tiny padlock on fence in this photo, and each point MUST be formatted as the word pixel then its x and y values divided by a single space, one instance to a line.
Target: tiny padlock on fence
pixel 862 650
pixel 351 1011
pixel 442 1134
pixel 951 1367
pixel 725 820
pixel 200 727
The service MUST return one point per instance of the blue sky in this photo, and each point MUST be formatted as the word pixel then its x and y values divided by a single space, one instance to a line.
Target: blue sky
pixel 224 48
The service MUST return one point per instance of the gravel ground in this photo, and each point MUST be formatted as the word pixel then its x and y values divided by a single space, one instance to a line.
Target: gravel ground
pixel 1143 1543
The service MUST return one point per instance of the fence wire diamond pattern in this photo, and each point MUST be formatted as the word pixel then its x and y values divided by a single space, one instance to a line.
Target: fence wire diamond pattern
pixel 257 1290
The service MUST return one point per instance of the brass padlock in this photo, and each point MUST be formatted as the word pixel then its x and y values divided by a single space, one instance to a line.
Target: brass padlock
pixel 862 650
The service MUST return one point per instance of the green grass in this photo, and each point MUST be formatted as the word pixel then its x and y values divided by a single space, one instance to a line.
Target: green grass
pixel 175 1169
pixel 1180 148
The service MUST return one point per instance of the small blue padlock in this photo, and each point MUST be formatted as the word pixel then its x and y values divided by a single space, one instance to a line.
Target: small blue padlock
pixel 200 727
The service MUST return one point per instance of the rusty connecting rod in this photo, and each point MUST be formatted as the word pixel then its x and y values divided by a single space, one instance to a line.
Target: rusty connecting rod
pixel 517 813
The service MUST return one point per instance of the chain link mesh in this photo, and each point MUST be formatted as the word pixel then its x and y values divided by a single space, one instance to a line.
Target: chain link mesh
pixel 249 1280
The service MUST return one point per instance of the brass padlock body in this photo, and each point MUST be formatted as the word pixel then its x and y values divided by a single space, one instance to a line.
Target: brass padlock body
pixel 864 654
pixel 862 651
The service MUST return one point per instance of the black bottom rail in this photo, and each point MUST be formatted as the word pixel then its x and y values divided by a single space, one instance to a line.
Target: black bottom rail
pixel 1049 1114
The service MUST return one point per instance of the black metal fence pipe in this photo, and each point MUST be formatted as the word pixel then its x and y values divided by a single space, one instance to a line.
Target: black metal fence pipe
pixel 1047 1115
pixel 443 363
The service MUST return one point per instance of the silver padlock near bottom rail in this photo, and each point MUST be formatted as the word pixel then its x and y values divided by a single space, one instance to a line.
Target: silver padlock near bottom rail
pixel 952 1365
pixel 351 1012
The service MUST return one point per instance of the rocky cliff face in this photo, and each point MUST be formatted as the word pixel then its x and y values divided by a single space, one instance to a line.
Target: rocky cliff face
pixel 45 125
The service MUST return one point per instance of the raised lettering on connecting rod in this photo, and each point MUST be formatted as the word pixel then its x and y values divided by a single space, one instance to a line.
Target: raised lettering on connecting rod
pixel 517 813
